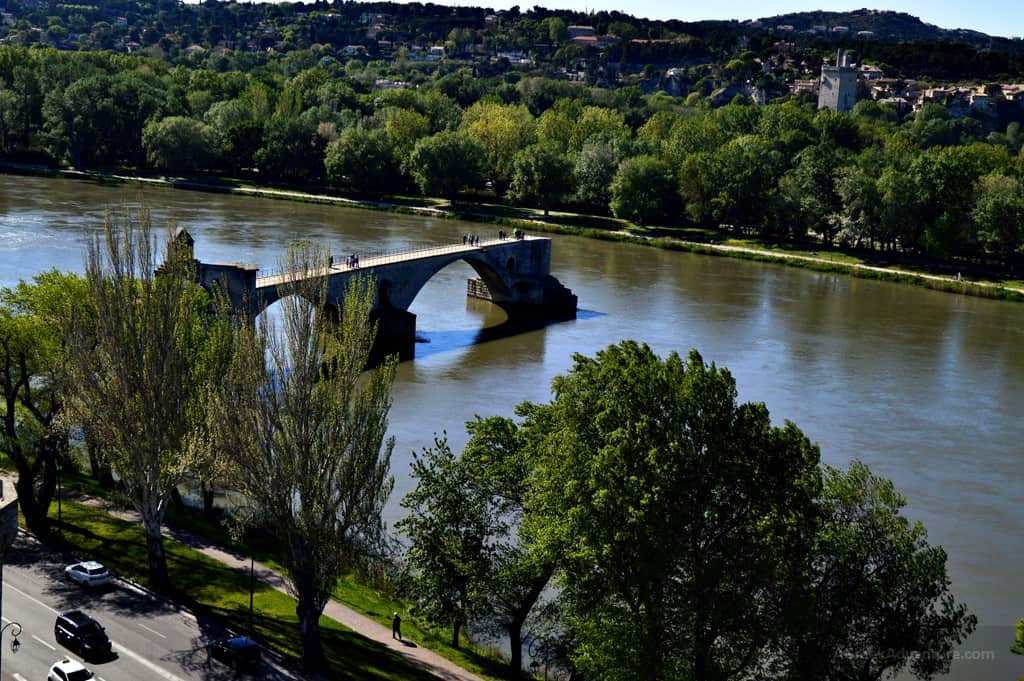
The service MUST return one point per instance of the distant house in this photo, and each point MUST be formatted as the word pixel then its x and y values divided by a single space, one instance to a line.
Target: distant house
pixel 865 35
pixel 870 72
pixel 353 50
pixel 799 86
pixel 436 53
pixel 581 32
pixel 385 84
pixel 784 28
pixel 515 57
pixel 901 105
pixel 840 29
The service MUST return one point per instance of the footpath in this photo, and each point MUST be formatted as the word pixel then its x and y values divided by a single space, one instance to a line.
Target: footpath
pixel 416 654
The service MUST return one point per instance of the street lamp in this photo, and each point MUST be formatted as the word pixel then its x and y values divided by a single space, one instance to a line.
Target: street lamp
pixel 252 589
pixel 15 644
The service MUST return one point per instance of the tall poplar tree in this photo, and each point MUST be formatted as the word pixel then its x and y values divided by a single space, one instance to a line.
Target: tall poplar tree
pixel 139 362
pixel 302 428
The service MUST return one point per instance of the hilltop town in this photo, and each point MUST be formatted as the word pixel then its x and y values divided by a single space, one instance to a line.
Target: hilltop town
pixel 763 59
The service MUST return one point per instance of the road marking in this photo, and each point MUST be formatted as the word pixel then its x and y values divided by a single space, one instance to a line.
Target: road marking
pixel 159 671
pixel 19 677
pixel 43 642
pixel 152 631
pixel 34 600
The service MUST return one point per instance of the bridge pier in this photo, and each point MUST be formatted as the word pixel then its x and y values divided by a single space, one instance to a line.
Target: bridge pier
pixel 396 334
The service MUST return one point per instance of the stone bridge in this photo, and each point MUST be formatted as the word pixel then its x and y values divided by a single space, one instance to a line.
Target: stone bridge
pixel 514 274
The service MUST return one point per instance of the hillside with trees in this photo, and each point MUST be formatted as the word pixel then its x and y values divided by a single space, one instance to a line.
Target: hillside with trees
pixel 660 123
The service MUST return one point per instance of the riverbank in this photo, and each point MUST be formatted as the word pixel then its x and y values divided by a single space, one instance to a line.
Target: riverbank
pixel 576 224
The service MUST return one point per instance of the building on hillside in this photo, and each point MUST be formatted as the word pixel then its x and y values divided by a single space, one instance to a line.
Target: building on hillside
pixel 870 72
pixel 581 31
pixel 838 85
pixel 801 85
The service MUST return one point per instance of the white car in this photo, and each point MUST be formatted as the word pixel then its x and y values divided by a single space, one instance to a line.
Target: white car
pixel 88 574
pixel 69 670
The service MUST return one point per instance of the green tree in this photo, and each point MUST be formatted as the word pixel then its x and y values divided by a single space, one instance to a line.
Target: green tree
pixel 900 221
pixel 403 128
pixel 730 185
pixel 363 159
pixel 139 364
pixel 302 429
pixel 181 144
pixel 446 163
pixel 814 179
pixel 9 118
pixel 292 149
pixel 499 460
pixel 679 513
pixel 860 215
pixel 79 122
pixel 595 168
pixel 541 174
pixel 502 130
pixel 999 214
pixel 596 120
pixel 31 359
pixel 693 135
pixel 450 529
pixel 642 189
pixel 875 596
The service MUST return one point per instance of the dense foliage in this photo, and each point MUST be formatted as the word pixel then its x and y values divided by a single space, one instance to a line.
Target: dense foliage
pixel 688 537
pixel 929 184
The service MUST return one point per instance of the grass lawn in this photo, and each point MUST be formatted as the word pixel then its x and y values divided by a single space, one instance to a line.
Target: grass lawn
pixel 366 600
pixel 207 585
pixel 376 604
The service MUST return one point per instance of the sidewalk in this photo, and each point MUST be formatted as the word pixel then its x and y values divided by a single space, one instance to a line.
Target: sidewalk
pixel 416 654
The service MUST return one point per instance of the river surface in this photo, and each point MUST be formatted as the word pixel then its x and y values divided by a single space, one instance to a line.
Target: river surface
pixel 925 387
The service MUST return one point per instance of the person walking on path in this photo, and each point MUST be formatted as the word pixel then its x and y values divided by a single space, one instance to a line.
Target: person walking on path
pixel 396 627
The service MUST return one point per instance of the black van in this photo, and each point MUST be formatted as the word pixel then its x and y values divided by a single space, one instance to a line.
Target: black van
pixel 81 633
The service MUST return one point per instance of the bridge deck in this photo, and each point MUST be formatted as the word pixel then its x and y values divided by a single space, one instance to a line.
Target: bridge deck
pixel 387 258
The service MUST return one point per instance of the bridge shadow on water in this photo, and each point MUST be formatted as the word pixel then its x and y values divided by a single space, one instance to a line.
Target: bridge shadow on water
pixel 430 343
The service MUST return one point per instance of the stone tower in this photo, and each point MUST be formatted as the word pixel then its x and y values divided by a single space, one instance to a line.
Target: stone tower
pixel 838 87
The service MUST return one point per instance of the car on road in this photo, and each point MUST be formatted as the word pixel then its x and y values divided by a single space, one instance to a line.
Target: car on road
pixel 79 632
pixel 238 652
pixel 68 670
pixel 88 574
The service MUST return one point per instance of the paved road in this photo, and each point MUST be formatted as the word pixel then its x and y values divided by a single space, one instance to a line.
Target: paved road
pixel 153 640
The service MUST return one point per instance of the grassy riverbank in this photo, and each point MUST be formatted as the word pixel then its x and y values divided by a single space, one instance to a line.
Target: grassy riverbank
pixel 204 584
pixel 707 241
